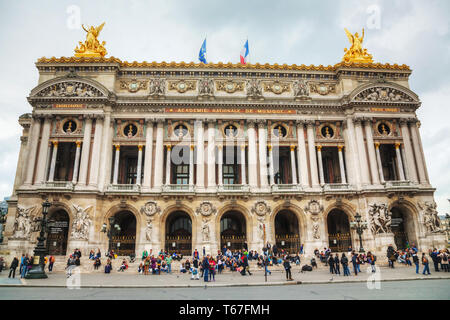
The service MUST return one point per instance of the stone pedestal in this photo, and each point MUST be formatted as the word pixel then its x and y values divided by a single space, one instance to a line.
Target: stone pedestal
pixel 82 245
pixel 383 240
pixel 16 247
pixel 434 240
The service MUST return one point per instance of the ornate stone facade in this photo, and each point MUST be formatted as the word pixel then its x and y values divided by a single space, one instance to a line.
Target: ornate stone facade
pixel 189 156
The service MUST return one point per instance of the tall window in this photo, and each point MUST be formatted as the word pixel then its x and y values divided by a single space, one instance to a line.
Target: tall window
pixel 131 165
pixel 182 174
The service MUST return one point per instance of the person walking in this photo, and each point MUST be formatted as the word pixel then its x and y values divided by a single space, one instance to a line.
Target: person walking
pixel 245 265
pixel 13 267
pixel 331 263
pixel 344 261
pixel 416 261
pixel 425 263
pixel 205 268
pixel 24 264
pixel 336 264
pixel 355 262
pixel 371 260
pixel 266 264
pixel 51 263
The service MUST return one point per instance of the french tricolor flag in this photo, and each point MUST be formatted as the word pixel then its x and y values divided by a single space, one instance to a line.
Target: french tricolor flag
pixel 244 53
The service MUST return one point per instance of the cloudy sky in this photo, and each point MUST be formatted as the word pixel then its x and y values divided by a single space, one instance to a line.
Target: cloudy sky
pixel 412 32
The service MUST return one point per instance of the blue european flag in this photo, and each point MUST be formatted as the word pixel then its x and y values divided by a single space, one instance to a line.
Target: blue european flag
pixel 202 53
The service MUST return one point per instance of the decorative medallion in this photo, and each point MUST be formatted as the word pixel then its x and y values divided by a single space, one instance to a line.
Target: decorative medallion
pixel 229 86
pixel 314 207
pixel 254 90
pixel 157 87
pixel 206 209
pixel 323 88
pixel 279 131
pixel 130 130
pixel 182 86
pixel 327 132
pixel 133 85
pixel 206 87
pixel 69 126
pixel 383 129
pixel 277 87
pixel 180 130
pixel 150 208
pixel 230 131
pixel 261 208
pixel 301 90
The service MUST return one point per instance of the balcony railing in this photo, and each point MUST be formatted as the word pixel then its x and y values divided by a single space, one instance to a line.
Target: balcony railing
pixel 335 186
pixel 398 184
pixel 124 188
pixel 178 188
pixel 233 188
pixel 285 188
pixel 57 185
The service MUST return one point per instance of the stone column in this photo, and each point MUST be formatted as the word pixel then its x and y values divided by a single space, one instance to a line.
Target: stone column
pixel 148 155
pixel 243 173
pixel 353 168
pixel 362 152
pixel 168 163
pixel 409 156
pixel 341 165
pixel 139 165
pixel 416 128
pixel 106 154
pixel 271 169
pixel 418 151
pixel 33 142
pixel 319 159
pixel 312 154
pixel 301 154
pixel 19 177
pixel 371 150
pixel 76 163
pixel 191 165
pixel 252 153
pixel 220 164
pixel 200 155
pixel 42 155
pixel 262 153
pixel 116 164
pixel 51 175
pixel 380 165
pixel 47 162
pixel 399 162
pixel 159 154
pixel 293 166
pixel 211 155
pixel 96 147
pixel 85 151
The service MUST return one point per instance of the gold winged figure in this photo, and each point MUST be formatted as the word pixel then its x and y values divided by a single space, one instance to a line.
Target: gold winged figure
pixel 356 53
pixel 91 47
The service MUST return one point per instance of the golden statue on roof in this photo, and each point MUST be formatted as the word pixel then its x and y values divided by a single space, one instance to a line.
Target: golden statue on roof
pixel 91 47
pixel 356 53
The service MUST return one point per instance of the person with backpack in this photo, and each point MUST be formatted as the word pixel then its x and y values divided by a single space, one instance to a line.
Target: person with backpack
pixel 344 262
pixel 444 260
pixel 425 263
pixel 371 260
pixel 416 261
pixel 331 263
pixel 51 263
pixel 435 258
pixel 205 268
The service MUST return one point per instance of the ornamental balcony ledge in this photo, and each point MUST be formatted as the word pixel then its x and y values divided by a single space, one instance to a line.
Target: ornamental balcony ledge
pixel 125 188
pixel 336 187
pixel 56 186
pixel 230 188
pixel 399 184
pixel 285 188
pixel 177 188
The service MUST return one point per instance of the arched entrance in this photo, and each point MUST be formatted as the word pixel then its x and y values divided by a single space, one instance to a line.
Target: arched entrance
pixel 402 227
pixel 123 240
pixel 339 238
pixel 233 231
pixel 58 231
pixel 179 233
pixel 287 235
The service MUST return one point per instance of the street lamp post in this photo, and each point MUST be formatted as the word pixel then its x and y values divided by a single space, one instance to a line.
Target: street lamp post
pixel 358 225
pixel 37 270
pixel 111 231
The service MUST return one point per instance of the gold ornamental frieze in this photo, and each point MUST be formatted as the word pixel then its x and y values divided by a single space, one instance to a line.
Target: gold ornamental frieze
pixel 182 86
pixel 229 86
pixel 277 87
pixel 133 85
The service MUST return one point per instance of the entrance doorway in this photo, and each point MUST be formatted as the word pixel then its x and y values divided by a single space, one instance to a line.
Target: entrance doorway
pixel 403 228
pixel 179 233
pixel 123 242
pixel 287 235
pixel 58 231
pixel 339 238
pixel 232 231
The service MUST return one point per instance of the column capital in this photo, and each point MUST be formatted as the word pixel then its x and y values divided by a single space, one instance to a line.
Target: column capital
pixel 377 145
pixel 319 148
pixel 413 121
pixel 160 121
pixel 88 116
pixel 98 116
pixel 269 146
pixel 310 123
pixel 211 121
pixel 78 143
pixel 340 148
pixel 397 145
pixel 251 123
pixel 403 122
pixel 219 147
pixel 358 120
pixel 300 123
pixel 140 146
pixel 117 146
pixel 149 121
pixel 192 147
pixel 169 147
pixel 292 148
pixel 55 143
pixel 261 123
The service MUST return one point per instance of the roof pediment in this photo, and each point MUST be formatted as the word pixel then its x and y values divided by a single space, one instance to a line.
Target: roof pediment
pixel 383 92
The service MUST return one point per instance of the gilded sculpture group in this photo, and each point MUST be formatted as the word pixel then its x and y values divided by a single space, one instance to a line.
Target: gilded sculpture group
pixel 93 48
